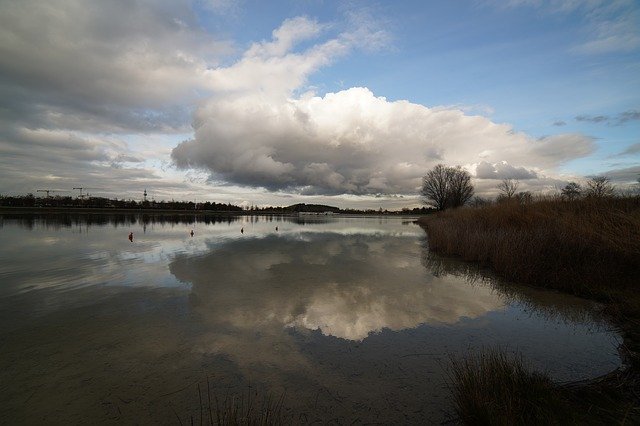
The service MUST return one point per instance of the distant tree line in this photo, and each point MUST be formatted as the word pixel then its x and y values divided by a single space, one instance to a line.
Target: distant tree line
pixel 446 187
pixel 30 200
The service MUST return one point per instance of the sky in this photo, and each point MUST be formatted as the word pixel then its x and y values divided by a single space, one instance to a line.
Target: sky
pixel 347 103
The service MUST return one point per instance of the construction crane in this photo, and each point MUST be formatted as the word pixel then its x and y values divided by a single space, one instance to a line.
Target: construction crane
pixel 81 188
pixel 49 190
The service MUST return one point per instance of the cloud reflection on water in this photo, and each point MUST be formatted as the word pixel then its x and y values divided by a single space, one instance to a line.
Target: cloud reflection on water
pixel 345 287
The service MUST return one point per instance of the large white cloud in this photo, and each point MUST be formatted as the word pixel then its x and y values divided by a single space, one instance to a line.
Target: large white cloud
pixel 261 131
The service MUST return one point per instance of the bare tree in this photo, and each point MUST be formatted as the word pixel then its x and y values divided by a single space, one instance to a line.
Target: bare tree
pixel 434 187
pixel 599 186
pixel 508 188
pixel 447 187
pixel 571 191
pixel 460 187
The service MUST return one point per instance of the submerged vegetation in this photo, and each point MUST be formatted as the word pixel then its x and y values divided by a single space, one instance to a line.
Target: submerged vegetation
pixel 249 408
pixel 588 247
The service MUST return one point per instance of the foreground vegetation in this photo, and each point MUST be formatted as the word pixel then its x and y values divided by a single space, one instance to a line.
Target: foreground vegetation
pixel 492 388
pixel 588 247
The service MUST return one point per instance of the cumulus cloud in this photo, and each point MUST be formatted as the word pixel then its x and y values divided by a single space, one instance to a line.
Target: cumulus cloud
pixel 265 134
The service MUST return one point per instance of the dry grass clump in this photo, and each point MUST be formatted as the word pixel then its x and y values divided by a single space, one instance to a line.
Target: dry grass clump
pixel 250 408
pixel 589 247
pixel 493 389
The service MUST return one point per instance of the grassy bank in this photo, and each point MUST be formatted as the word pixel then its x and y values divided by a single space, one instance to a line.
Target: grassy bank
pixel 588 247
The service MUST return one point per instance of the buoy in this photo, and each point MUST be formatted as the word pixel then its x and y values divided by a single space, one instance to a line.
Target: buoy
pixel 276 228
pixel 191 232
pixel 131 236
pixel 242 230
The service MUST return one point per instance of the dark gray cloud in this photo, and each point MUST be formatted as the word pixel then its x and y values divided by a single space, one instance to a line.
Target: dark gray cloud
pixel 617 120
pixel 624 175
pixel 593 118
pixel 42 159
pixel 102 66
pixel 73 74
pixel 631 115
pixel 630 150
pixel 559 123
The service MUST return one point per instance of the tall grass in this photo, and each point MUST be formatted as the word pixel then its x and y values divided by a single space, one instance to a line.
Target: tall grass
pixel 589 247
pixel 494 389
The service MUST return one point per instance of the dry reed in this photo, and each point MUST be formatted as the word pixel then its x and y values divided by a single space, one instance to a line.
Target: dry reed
pixel 495 389
pixel 589 247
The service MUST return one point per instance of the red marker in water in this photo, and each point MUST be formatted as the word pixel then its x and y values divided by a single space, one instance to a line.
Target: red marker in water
pixel 131 236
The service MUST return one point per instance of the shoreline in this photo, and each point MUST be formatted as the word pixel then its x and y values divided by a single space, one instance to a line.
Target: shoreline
pixel 502 238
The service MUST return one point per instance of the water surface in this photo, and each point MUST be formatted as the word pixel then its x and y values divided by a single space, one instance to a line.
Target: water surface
pixel 348 318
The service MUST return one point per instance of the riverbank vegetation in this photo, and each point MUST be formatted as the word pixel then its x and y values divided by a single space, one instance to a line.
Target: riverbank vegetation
pixel 494 389
pixel 587 246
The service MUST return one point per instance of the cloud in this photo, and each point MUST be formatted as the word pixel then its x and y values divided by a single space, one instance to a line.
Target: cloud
pixel 619 119
pixel 630 150
pixel 32 159
pixel 73 74
pixel 631 115
pixel 273 69
pixel 114 65
pixel 559 123
pixel 503 170
pixel 625 175
pixel 593 118
pixel 609 26
pixel 614 28
pixel 353 142
pixel 263 130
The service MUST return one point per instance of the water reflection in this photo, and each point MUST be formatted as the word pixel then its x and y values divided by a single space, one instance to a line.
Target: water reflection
pixel 551 305
pixel 345 287
pixel 349 316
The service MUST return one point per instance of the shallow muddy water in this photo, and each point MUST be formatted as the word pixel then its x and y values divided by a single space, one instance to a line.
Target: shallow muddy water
pixel 346 318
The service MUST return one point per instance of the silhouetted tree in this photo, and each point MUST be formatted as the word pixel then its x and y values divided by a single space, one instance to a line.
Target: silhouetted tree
pixel 571 191
pixel 447 187
pixel 599 186
pixel 508 188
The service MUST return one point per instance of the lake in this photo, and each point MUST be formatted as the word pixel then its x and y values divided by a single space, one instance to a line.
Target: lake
pixel 345 319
